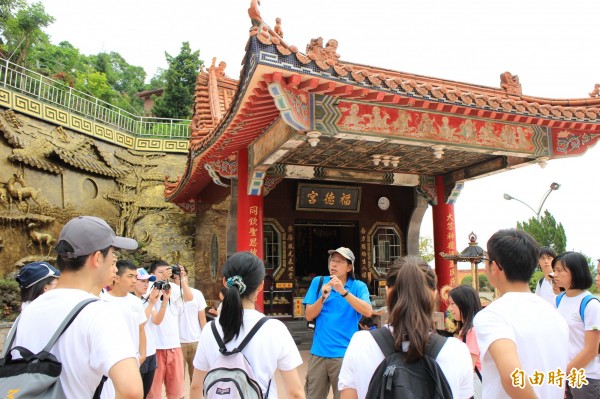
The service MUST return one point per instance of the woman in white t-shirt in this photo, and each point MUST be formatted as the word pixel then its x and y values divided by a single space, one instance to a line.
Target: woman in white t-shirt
pixel 270 349
pixel 571 272
pixel 464 304
pixel 411 291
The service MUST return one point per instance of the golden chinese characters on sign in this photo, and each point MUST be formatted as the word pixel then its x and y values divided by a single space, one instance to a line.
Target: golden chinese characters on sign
pixel 290 252
pixel 253 230
pixel 332 198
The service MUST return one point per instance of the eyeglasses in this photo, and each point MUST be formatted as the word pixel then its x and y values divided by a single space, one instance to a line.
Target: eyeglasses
pixel 490 262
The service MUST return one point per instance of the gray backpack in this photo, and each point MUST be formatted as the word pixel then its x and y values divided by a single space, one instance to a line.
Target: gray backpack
pixel 36 376
pixel 231 375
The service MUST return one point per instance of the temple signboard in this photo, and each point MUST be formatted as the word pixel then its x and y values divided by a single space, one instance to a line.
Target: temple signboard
pixel 314 197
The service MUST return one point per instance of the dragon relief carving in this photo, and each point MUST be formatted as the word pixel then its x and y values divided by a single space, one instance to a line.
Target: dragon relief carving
pixel 596 92
pixel 324 57
pixel 510 83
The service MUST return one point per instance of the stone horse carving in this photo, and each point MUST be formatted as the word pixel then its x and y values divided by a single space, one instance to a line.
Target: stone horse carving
pixel 24 193
pixel 40 239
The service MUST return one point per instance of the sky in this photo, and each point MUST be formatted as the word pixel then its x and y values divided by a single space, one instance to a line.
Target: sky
pixel 551 45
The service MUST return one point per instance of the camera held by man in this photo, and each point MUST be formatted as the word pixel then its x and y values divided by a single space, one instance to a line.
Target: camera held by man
pixel 161 285
pixel 176 270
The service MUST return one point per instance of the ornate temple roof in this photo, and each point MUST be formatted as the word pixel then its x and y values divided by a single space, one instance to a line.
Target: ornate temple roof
pixel 367 120
pixel 473 253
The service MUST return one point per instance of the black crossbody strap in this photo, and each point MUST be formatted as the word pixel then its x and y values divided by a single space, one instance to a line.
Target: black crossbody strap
pixel 251 334
pixel 242 345
pixel 464 339
pixel 320 285
pixel 220 342
pixel 384 338
pixel 244 342
pixel 435 344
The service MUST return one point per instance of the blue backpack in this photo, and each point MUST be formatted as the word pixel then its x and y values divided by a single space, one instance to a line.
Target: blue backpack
pixel 582 306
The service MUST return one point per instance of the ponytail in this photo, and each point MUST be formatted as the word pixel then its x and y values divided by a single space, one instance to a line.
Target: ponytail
pixel 243 273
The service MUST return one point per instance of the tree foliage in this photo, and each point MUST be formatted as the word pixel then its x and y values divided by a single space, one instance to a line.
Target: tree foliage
pixel 426 249
pixel 120 75
pixel 546 232
pixel 178 95
pixel 106 75
pixel 158 81
pixel 7 9
pixel 484 283
pixel 24 30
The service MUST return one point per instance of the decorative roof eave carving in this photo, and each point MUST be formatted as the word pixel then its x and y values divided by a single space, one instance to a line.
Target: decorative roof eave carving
pixel 507 98
pixel 87 156
pixel 35 163
pixel 231 133
pixel 39 148
pixel 213 96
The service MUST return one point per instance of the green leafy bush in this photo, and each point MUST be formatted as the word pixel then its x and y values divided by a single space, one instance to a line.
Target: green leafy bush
pixel 10 299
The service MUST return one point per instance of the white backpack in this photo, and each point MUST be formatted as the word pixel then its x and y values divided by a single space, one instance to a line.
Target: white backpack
pixel 231 377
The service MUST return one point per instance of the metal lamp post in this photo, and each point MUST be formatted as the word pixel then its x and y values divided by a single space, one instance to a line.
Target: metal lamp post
pixel 553 187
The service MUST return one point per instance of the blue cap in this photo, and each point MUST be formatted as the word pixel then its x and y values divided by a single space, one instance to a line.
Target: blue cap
pixel 35 272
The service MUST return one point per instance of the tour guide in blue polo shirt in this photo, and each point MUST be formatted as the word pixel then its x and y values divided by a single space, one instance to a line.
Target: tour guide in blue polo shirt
pixel 337 308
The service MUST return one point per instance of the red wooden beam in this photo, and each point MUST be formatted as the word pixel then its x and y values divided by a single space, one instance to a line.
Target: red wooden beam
pixel 309 84
pixel 324 88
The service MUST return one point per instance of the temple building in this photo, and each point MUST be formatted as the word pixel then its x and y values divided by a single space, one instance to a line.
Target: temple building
pixel 306 152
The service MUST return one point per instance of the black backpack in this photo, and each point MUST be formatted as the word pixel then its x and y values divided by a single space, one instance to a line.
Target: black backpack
pixel 394 378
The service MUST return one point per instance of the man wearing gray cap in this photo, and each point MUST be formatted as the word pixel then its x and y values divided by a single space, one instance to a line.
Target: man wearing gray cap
pixel 97 343
pixel 336 309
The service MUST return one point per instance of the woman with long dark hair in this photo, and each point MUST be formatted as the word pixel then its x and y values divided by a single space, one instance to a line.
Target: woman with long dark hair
pixel 270 349
pixel 411 287
pixel 464 303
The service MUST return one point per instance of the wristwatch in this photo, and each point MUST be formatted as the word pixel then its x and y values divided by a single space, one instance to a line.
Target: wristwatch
pixel 346 294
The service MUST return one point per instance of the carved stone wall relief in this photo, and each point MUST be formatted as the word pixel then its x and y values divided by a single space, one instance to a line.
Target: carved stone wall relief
pixel 49 174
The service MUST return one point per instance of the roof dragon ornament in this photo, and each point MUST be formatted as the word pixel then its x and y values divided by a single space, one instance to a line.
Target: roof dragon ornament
pixel 510 83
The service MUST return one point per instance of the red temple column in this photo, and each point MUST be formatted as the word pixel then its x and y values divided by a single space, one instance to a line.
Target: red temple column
pixel 444 237
pixel 250 218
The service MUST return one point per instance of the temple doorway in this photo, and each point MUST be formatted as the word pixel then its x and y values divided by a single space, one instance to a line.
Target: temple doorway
pixel 315 238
